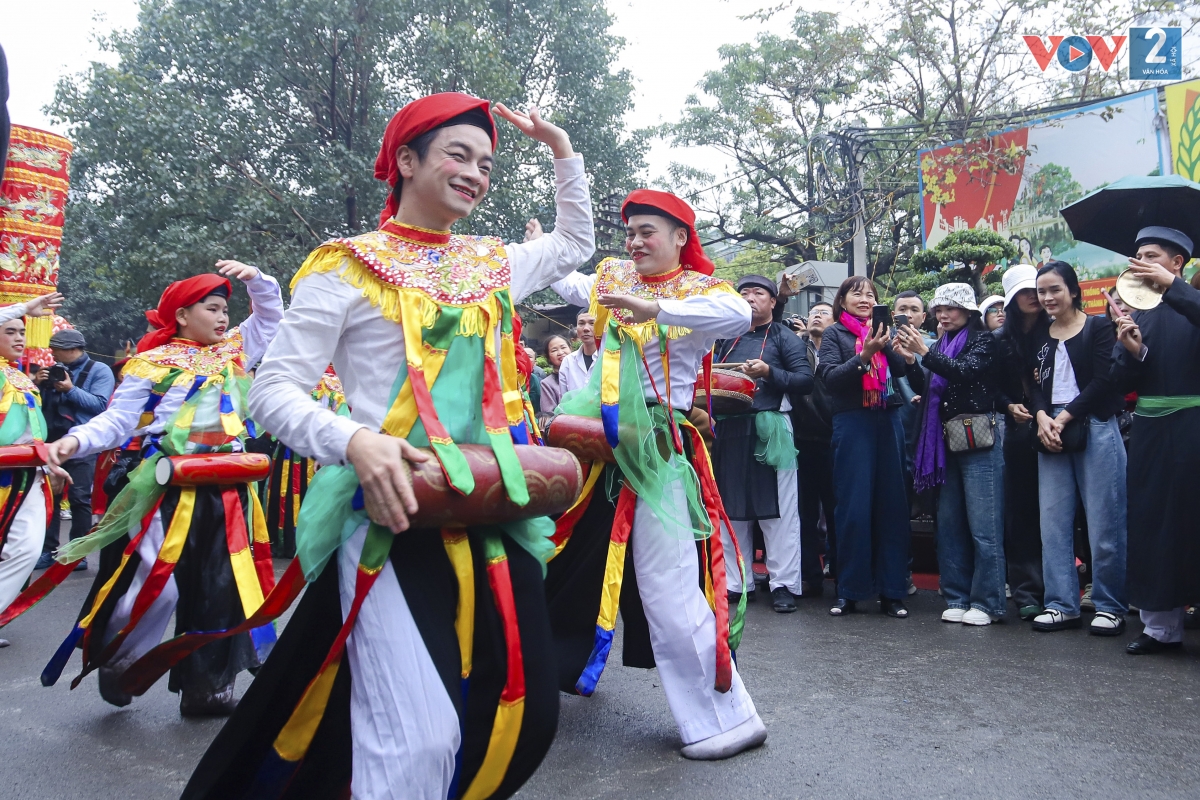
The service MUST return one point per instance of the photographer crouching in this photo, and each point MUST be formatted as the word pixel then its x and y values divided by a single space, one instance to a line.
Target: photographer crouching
pixel 73 391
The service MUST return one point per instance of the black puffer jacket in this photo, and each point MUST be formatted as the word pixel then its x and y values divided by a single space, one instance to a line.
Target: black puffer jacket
pixel 974 375
pixel 841 370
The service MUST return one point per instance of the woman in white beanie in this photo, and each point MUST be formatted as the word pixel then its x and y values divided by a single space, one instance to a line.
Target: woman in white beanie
pixel 1023 317
pixel 958 451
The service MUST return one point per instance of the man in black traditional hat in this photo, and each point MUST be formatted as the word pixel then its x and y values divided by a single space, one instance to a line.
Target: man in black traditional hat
pixel 1158 355
pixel 754 457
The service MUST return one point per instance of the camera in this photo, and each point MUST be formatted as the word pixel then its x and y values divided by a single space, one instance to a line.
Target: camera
pixel 57 373
pixel 796 323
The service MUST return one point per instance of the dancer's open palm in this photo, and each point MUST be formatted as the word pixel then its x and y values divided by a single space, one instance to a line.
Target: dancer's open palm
pixel 533 126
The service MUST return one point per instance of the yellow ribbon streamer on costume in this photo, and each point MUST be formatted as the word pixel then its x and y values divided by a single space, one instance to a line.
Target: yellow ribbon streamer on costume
pixel 506 728
pixel 458 550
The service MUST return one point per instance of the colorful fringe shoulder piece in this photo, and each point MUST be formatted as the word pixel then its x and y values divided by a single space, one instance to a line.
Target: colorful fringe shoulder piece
pixel 620 276
pixel 17 381
pixel 451 270
pixel 189 358
pixel 20 405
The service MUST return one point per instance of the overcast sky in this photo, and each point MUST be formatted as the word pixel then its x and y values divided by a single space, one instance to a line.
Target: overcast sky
pixel 671 44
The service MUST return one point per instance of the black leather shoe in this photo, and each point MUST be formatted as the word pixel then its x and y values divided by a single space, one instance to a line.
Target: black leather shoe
pixel 110 690
pixel 893 608
pixel 842 607
pixel 1147 645
pixel 782 601
pixel 202 704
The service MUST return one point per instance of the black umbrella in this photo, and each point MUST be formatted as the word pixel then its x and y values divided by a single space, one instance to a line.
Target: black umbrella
pixel 1111 217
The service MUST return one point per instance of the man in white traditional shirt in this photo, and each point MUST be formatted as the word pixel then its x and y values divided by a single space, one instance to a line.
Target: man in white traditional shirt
pixel 574 371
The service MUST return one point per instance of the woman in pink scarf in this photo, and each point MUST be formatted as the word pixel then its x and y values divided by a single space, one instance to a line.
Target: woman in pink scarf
pixel 868 454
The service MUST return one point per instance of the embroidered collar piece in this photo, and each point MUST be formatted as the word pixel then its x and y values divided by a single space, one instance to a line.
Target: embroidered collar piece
pixel 194 358
pixel 460 271
pixel 615 276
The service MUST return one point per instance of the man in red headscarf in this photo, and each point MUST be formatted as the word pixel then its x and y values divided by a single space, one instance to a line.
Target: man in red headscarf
pixel 660 313
pixel 437 636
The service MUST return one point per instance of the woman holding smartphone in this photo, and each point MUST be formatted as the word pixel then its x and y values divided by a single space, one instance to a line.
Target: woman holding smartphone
pixel 957 378
pixel 1075 403
pixel 871 514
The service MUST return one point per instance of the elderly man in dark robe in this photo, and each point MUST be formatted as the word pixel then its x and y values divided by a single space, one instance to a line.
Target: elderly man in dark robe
pixel 1158 355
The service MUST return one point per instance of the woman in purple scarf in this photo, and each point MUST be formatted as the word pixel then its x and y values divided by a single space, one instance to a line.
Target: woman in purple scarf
pixel 958 377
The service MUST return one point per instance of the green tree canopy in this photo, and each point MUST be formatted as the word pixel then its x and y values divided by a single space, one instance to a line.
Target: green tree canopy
pixel 961 256
pixel 248 129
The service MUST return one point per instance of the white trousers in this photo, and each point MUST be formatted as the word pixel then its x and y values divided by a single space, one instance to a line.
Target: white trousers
pixel 683 628
pixel 24 543
pixel 781 539
pixel 403 725
pixel 1165 626
pixel 150 628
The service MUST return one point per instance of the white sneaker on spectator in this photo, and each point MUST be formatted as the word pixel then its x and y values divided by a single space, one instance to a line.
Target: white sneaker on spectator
pixel 976 617
pixel 953 614
pixel 1106 624
pixel 1054 620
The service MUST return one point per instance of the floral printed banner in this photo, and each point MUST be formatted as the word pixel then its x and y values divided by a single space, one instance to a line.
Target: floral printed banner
pixel 1015 181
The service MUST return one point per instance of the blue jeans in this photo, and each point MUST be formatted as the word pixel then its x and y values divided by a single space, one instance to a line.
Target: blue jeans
pixel 1099 473
pixel 970 530
pixel 872 504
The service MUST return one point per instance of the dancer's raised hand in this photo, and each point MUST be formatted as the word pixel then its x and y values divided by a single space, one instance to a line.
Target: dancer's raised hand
pixel 533 126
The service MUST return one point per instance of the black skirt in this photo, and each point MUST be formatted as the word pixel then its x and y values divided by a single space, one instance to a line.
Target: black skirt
pixel 574 579
pixel 749 489
pixel 228 769
pixel 208 594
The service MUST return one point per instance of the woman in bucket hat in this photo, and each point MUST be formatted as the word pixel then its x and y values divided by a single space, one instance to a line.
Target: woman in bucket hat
pixel 957 379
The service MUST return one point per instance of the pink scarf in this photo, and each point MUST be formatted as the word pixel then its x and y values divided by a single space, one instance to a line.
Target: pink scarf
pixel 874 382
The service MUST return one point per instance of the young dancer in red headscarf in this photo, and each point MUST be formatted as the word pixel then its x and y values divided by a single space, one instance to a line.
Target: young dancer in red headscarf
pixel 660 313
pixel 415 666
pixel 196 551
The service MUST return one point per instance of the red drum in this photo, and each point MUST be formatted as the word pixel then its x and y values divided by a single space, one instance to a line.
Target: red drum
pixel 208 469
pixel 583 436
pixel 732 392
pixel 553 476
pixel 18 456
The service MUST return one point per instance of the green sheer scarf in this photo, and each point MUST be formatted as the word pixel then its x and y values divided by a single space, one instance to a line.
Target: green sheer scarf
pixel 644 453
pixel 775 446
pixel 142 493
pixel 327 515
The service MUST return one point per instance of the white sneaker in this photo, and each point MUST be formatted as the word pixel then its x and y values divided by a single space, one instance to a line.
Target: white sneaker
pixel 953 614
pixel 750 733
pixel 976 617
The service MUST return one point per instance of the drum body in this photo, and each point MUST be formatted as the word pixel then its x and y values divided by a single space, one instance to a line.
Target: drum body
pixel 552 475
pixel 732 392
pixel 583 436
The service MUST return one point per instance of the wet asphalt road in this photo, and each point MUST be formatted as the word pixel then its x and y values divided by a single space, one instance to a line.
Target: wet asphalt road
pixel 860 707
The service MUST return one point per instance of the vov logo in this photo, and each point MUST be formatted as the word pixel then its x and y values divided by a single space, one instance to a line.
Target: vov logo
pixel 1075 53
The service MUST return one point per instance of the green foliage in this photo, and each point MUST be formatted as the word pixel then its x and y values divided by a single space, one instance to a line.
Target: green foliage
pixel 248 129
pixel 961 256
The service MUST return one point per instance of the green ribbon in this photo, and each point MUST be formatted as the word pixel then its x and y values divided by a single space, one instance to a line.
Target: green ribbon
pixel 1161 406
pixel 775 446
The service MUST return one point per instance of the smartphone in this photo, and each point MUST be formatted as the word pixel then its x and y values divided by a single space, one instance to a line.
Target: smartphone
pixel 901 320
pixel 881 317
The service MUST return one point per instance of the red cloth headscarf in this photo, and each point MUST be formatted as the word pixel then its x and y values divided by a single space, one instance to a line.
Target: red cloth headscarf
pixel 421 116
pixel 692 256
pixel 179 294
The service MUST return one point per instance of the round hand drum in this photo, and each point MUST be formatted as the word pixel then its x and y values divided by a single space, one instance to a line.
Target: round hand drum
pixel 732 392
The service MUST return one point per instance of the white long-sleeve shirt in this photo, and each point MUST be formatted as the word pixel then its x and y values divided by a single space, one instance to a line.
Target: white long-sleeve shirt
pixel 719 315
pixel 573 372
pixel 329 320
pixel 121 419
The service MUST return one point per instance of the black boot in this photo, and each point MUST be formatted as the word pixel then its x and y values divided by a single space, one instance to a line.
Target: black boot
pixel 205 704
pixel 110 688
